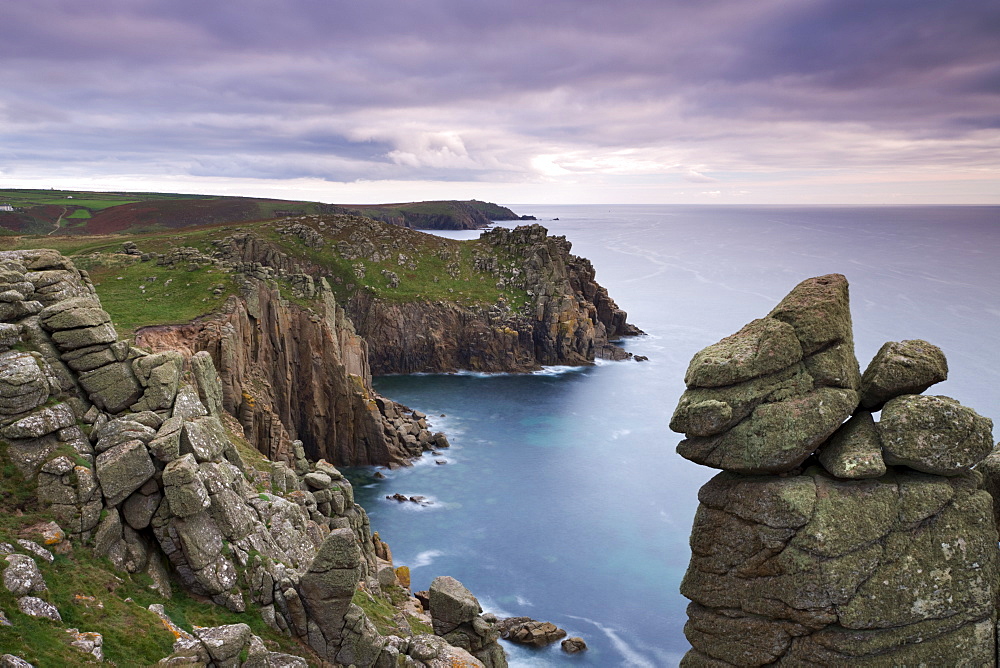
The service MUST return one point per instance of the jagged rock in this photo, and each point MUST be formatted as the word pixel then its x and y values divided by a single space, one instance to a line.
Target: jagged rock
pixel 527 631
pixel 23 383
pixel 36 607
pixel 183 487
pixel 901 367
pixel 22 576
pixel 123 469
pixel 209 384
pixel 934 434
pixel 855 450
pixel 205 437
pixel 187 405
pixel 159 374
pixel 573 645
pixel 327 587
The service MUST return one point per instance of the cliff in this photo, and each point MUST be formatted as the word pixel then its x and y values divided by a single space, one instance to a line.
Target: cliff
pixel 437 215
pixel 285 340
pixel 566 318
pixel 830 538
pixel 111 452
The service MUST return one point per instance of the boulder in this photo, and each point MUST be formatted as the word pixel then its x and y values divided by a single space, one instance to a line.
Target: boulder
pixel 112 388
pixel 574 645
pixel 159 374
pixel 23 383
pixel 525 631
pixel 810 569
pixel 123 469
pixel 36 607
pixel 73 339
pixel 21 576
pixel 327 587
pixel 763 399
pixel 187 405
pixel 77 313
pixel 183 487
pixel 451 604
pixel 205 437
pixel 934 434
pixel 224 643
pixel 901 367
pixel 41 422
pixel 855 450
pixel 818 309
pixel 762 347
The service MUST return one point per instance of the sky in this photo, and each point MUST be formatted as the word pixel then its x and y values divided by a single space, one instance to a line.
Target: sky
pixel 533 101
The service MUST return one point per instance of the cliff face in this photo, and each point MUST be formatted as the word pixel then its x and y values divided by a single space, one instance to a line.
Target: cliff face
pixel 137 457
pixel 825 542
pixel 290 373
pixel 569 318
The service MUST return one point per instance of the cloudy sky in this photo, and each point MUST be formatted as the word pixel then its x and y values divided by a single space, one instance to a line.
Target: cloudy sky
pixel 518 101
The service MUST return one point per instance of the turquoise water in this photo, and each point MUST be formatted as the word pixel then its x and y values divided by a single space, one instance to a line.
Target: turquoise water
pixel 562 498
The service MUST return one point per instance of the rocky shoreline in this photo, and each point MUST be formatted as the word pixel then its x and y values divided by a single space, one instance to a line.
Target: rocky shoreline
pixel 187 453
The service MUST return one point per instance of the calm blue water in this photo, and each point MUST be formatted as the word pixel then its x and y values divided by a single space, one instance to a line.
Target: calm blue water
pixel 563 499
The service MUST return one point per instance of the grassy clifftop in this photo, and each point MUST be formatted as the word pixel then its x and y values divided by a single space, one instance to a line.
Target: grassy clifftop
pixel 173 277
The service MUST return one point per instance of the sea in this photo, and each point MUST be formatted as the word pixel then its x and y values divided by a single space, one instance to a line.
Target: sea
pixel 562 497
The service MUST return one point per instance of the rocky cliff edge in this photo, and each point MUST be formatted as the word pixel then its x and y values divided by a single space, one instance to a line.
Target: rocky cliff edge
pixel 135 458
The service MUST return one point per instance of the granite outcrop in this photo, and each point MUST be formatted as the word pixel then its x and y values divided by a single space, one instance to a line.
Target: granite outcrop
pixel 141 457
pixel 831 538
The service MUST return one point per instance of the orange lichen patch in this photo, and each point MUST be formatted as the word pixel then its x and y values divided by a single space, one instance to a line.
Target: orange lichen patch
pixel 177 631
pixel 403 575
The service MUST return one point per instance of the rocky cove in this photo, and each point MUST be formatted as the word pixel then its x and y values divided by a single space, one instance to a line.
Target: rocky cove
pixel 204 455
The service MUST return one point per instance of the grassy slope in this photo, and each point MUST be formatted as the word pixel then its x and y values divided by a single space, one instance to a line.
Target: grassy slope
pixel 134 300
pixel 92 596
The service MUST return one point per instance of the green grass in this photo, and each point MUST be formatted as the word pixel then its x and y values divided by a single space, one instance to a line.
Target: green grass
pixel 79 213
pixel 134 300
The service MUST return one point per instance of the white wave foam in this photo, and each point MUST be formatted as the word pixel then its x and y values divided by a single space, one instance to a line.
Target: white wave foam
pixel 425 558
pixel 523 601
pixel 632 657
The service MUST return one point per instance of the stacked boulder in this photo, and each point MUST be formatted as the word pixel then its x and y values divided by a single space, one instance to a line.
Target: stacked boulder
pixel 830 538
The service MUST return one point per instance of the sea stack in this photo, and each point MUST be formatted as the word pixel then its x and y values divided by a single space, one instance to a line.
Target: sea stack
pixel 830 538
